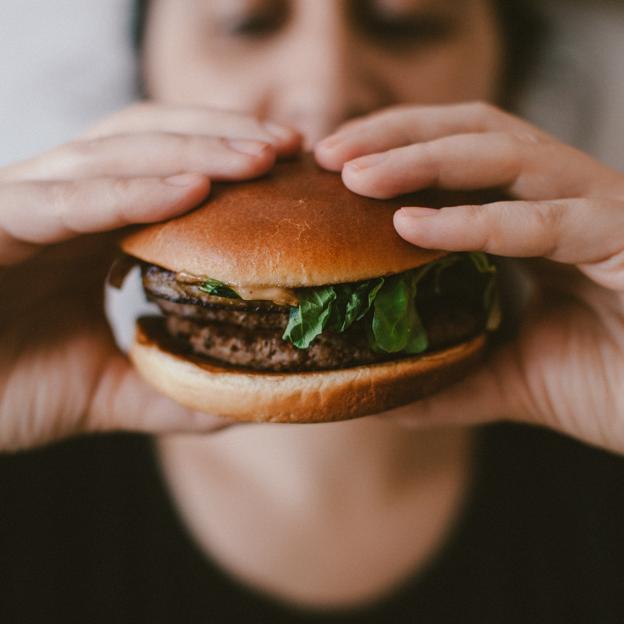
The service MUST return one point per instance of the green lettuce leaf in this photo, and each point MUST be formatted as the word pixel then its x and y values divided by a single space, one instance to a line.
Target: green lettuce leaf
pixel 390 320
pixel 481 262
pixel 338 316
pixel 310 318
pixel 218 289
pixel 329 307
pixel 396 324
pixel 361 300
pixel 389 304
pixel 491 298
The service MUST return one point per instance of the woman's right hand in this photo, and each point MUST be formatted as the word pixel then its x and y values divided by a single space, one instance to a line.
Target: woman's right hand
pixel 60 213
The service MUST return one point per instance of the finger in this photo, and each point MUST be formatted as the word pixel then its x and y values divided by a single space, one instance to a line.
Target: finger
pixel 150 155
pixel 478 399
pixel 123 401
pixel 77 384
pixel 44 213
pixel 148 117
pixel 584 232
pixel 504 387
pixel 537 380
pixel 525 168
pixel 400 126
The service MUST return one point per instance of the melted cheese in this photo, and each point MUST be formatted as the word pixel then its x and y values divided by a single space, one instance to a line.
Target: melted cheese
pixel 279 296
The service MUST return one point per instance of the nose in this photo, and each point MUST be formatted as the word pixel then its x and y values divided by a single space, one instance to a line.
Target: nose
pixel 322 80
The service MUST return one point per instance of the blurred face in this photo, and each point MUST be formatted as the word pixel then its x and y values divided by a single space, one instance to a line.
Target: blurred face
pixel 316 63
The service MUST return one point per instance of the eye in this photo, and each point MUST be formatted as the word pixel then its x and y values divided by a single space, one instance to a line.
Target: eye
pixel 260 22
pixel 408 29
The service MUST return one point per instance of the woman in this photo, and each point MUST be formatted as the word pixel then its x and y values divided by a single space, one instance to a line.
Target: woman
pixel 365 519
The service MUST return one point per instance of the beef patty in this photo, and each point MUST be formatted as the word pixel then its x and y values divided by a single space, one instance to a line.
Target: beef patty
pixel 249 333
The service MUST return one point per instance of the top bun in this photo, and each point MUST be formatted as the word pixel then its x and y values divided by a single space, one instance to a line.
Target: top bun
pixel 298 226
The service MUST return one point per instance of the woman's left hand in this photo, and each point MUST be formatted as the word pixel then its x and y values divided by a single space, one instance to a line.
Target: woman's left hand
pixel 565 369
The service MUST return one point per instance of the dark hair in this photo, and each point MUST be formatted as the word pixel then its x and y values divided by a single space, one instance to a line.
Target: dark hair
pixel 139 20
pixel 523 31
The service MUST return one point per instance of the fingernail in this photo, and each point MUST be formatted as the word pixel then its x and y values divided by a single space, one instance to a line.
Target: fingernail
pixel 279 132
pixel 417 212
pixel 366 162
pixel 185 179
pixel 251 148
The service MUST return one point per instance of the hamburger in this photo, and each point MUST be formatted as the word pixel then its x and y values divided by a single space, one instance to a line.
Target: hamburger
pixel 291 299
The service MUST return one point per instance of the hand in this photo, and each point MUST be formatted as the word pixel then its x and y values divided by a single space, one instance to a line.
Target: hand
pixel 60 372
pixel 565 369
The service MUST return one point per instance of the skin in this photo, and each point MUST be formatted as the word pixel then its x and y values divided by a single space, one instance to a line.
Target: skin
pixel 565 368
pixel 315 72
pixel 320 66
pixel 60 371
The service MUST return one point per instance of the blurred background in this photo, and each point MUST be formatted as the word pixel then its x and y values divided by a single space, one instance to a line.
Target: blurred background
pixel 66 63
pixel 63 64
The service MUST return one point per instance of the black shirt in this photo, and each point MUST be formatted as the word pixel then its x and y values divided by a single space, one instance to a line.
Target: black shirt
pixel 88 534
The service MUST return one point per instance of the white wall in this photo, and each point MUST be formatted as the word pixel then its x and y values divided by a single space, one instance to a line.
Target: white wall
pixel 63 64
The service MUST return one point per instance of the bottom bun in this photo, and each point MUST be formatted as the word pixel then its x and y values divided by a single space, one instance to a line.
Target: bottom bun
pixel 298 397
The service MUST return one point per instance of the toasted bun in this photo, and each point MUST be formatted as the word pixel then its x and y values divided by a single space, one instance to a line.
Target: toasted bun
pixel 309 397
pixel 298 226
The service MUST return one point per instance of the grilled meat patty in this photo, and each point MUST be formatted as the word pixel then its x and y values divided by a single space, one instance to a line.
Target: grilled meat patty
pixel 264 349
pixel 162 284
pixel 249 333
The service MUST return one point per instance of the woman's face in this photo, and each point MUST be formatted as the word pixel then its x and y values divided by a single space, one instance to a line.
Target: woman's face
pixel 316 63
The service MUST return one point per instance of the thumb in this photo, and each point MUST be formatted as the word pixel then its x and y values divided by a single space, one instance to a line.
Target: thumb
pixel 493 392
pixel 123 401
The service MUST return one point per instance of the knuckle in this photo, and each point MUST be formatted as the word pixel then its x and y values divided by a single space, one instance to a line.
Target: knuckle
pixel 61 194
pixel 81 151
pixel 544 220
pixel 511 141
pixel 118 195
pixel 121 187
pixel 177 140
pixel 481 114
pixel 475 213
pixel 60 197
pixel 514 152
pixel 482 109
pixel 487 223
pixel 428 155
pixel 548 216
